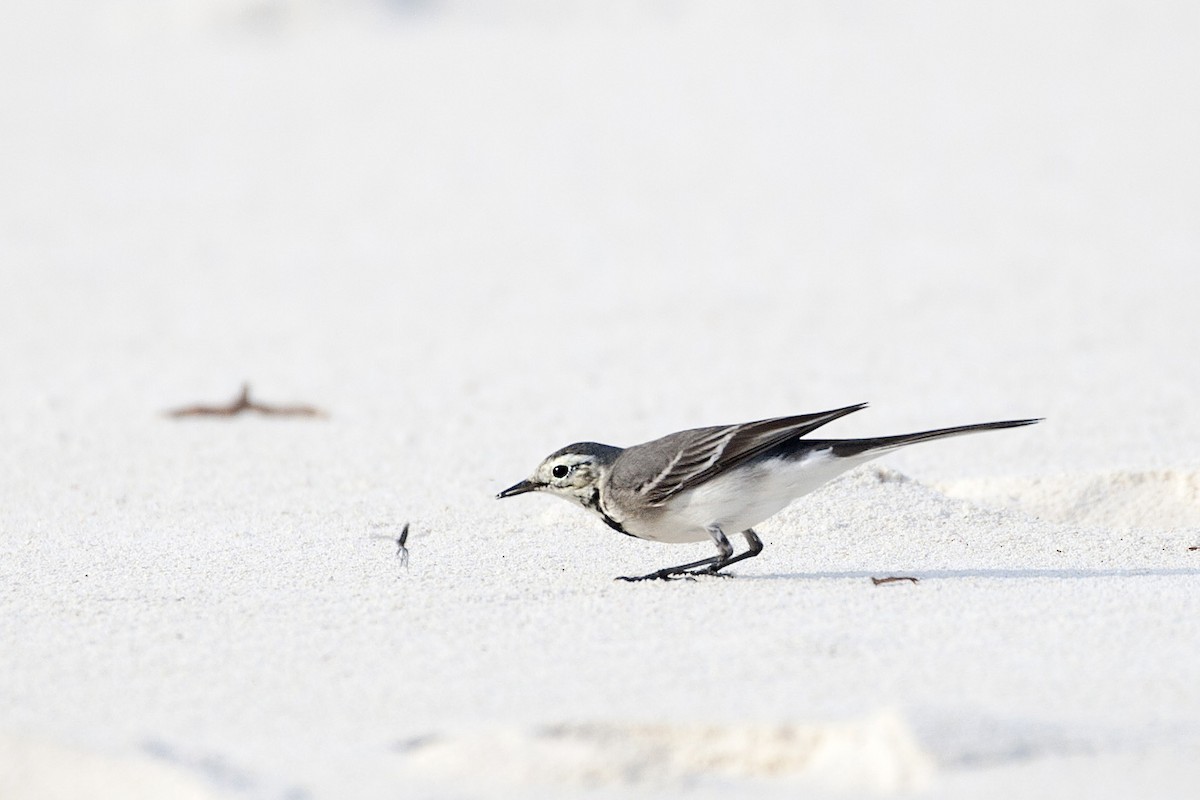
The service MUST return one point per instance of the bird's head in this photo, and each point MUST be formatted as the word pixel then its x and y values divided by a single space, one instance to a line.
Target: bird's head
pixel 573 473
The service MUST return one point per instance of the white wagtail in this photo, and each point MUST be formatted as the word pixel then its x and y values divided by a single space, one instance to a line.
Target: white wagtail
pixel 695 485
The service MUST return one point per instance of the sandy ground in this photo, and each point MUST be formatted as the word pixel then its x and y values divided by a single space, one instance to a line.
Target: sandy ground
pixel 473 232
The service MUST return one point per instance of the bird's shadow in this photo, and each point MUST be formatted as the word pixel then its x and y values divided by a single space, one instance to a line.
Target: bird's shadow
pixel 989 574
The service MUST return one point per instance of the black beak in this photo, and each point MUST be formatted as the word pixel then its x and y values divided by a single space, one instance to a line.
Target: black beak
pixel 519 488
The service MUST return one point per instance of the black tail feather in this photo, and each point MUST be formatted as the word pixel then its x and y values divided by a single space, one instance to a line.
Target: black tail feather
pixel 847 448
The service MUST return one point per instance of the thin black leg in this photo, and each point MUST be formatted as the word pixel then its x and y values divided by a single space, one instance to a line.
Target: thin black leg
pixel 714 563
pixel 756 547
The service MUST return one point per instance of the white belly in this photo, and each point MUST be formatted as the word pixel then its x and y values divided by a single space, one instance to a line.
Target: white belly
pixel 744 497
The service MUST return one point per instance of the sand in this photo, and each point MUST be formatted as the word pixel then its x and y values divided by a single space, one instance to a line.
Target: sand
pixel 473 232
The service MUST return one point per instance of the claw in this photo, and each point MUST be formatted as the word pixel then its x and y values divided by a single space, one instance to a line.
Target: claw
pixel 673 575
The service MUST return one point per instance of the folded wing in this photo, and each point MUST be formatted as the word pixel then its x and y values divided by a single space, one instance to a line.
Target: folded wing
pixel 701 454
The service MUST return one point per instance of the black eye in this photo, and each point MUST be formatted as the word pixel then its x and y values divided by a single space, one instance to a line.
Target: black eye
pixel 560 471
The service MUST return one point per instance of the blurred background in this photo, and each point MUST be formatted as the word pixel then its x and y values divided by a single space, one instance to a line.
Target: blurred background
pixel 473 232
pixel 527 222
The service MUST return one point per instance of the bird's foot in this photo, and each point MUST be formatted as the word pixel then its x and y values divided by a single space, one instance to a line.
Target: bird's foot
pixel 661 575
pixel 675 574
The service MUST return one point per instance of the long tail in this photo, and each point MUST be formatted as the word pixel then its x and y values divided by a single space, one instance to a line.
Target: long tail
pixel 848 448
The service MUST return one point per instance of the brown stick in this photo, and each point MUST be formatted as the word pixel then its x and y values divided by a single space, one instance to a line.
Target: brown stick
pixel 243 403
pixel 894 579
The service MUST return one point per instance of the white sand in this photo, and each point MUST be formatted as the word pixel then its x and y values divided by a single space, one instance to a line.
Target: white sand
pixel 474 232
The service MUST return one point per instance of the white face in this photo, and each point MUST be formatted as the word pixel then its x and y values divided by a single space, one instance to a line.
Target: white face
pixel 569 475
pixel 574 473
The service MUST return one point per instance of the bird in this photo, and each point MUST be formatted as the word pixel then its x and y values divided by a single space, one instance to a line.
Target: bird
pixel 705 484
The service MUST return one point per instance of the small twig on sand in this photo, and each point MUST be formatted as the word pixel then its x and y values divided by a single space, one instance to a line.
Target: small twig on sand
pixel 894 579
pixel 243 403
pixel 401 544
pixel 402 548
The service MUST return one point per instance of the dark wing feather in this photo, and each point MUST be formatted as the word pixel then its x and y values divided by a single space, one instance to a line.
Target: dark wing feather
pixel 704 453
